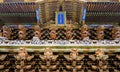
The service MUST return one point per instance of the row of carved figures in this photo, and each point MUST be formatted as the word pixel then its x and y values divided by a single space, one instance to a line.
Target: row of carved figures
pixel 51 62
pixel 53 34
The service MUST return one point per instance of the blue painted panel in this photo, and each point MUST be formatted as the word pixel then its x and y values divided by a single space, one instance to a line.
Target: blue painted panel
pixel 37 15
pixel 84 14
pixel 61 18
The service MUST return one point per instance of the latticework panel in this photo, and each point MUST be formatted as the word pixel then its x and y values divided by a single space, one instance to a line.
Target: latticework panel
pixel 14 33
pixel 30 34
pixel 76 34
pixel 45 34
pixel 93 33
pixel 61 34
pixel 108 34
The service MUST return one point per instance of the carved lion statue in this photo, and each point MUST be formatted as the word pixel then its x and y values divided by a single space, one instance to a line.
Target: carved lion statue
pixel 48 53
pixel 74 53
pixel 100 32
pixel 100 54
pixel 22 53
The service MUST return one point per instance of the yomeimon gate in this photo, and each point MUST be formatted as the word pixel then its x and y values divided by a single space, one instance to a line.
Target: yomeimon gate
pixel 59 36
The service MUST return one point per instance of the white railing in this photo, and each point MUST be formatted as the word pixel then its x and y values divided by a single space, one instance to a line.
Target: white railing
pixel 60 43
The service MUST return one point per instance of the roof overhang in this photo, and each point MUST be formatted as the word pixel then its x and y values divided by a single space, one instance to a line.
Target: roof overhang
pixel 103 12
pixel 26 11
pixel 18 12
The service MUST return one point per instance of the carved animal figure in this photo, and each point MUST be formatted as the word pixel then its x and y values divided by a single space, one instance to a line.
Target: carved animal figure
pixel 100 32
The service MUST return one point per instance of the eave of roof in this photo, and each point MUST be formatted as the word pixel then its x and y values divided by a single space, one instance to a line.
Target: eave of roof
pixel 25 11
